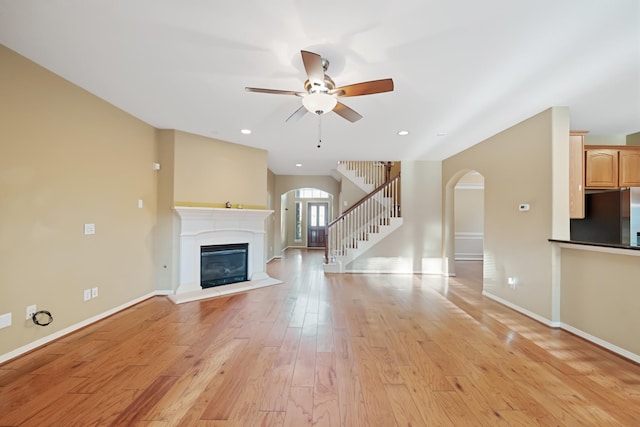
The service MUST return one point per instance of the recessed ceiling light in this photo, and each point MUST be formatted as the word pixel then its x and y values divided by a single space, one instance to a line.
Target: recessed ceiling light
pixel 440 134
pixel 298 165
pixel 245 131
pixel 403 132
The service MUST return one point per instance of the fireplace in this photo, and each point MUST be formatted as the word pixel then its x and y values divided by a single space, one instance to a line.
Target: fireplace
pixel 223 264
pixel 212 227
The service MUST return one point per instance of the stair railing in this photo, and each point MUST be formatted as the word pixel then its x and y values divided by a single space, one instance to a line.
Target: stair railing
pixel 364 217
pixel 372 172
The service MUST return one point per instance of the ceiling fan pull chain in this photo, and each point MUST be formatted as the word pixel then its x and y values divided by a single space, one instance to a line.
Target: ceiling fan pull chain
pixel 319 130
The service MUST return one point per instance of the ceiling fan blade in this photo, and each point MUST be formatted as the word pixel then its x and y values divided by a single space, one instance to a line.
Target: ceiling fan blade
pixel 313 66
pixel 346 112
pixel 364 88
pixel 297 115
pixel 274 91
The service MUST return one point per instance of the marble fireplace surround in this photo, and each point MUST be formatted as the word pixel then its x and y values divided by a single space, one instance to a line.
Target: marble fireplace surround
pixel 215 226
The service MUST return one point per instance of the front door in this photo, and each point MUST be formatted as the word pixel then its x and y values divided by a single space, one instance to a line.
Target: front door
pixel 316 223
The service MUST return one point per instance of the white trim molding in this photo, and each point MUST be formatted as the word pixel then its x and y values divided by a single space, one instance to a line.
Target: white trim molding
pixel 469 246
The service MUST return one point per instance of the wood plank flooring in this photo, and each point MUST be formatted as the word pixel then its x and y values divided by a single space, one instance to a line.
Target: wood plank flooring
pixel 338 350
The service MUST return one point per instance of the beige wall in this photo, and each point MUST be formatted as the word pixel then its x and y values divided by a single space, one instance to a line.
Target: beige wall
pixel 518 167
pixel 211 172
pixel 349 195
pixel 168 221
pixel 633 139
pixel 605 139
pixel 69 158
pixel 600 295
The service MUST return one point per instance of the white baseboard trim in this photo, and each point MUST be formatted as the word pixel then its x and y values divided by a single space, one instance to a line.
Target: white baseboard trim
pixel 54 336
pixel 524 311
pixel 600 342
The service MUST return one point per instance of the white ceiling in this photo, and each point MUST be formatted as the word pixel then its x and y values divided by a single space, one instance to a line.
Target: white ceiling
pixel 467 69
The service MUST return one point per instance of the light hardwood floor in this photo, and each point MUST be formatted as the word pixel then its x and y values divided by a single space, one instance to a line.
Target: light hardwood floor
pixel 337 350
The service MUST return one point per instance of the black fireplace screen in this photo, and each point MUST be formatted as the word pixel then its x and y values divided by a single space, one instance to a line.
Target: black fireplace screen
pixel 223 264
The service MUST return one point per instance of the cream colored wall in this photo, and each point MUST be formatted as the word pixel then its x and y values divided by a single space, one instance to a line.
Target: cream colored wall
pixel 168 222
pixel 286 183
pixel 211 172
pixel 416 246
pixel 633 139
pixel 521 165
pixel 69 158
pixel 349 195
pixel 605 139
pixel 600 295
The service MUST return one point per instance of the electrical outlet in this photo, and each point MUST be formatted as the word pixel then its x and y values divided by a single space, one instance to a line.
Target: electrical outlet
pixel 512 282
pixel 94 292
pixel 87 294
pixel 31 310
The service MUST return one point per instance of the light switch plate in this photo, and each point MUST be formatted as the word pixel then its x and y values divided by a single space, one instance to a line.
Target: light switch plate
pixel 5 320
pixel 89 229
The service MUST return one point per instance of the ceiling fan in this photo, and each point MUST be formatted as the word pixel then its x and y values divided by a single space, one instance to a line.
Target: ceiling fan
pixel 320 93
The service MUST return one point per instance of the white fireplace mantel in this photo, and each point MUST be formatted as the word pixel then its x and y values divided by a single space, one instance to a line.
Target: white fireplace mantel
pixel 215 226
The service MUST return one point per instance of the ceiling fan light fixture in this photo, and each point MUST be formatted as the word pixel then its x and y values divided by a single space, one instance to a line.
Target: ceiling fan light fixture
pixel 319 102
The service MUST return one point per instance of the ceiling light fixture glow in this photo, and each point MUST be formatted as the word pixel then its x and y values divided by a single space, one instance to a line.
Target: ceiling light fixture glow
pixel 403 132
pixel 246 131
pixel 298 165
pixel 319 102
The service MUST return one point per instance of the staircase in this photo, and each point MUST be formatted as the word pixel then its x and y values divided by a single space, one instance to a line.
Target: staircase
pixel 362 226
pixel 365 175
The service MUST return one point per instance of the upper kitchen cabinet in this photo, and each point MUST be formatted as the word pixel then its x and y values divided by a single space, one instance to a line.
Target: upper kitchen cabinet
pixel 629 165
pixel 576 174
pixel 612 167
pixel 601 167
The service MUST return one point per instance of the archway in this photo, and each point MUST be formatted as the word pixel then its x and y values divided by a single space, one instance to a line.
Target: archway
pixel 464 219
pixel 299 208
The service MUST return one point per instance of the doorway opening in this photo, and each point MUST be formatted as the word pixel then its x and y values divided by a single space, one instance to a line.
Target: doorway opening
pixel 464 224
pixel 305 215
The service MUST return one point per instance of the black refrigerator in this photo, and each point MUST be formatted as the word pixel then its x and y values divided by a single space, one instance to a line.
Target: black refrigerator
pixel 607 218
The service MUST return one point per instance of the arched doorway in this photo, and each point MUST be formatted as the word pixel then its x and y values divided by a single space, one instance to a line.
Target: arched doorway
pixel 305 212
pixel 464 219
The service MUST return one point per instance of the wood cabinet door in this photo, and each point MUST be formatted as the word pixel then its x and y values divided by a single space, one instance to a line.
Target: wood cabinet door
pixel 601 168
pixel 576 176
pixel 629 174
